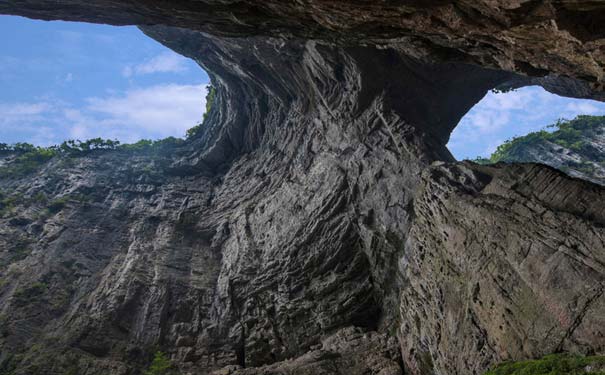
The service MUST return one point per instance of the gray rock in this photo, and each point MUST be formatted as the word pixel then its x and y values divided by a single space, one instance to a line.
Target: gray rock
pixel 303 208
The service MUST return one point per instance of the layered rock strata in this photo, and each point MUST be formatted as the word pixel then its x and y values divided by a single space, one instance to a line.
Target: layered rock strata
pixel 307 204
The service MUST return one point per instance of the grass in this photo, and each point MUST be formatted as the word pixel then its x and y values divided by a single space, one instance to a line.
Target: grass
pixel 554 364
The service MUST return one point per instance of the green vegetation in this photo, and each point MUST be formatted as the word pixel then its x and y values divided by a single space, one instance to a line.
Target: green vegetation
pixel 147 145
pixel 29 158
pixel 24 296
pixel 210 98
pixel 11 204
pixel 75 147
pixel 18 249
pixel 160 366
pixel 8 203
pixel 571 134
pixel 555 364
pixel 57 204
pixel 503 89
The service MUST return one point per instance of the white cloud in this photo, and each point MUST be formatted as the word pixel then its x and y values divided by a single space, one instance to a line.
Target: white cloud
pixel 167 62
pixel 506 101
pixel 20 117
pixel 15 110
pixel 583 107
pixel 153 113
pixel 163 110
pixel 503 116
pixel 492 146
pixel 17 119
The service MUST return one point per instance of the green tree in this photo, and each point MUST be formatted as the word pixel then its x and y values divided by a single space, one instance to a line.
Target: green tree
pixel 160 366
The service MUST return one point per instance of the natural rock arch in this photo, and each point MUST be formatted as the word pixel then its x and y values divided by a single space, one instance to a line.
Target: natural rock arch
pixel 308 202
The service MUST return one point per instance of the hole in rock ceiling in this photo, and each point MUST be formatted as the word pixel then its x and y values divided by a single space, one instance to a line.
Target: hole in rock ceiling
pixel 532 125
pixel 67 80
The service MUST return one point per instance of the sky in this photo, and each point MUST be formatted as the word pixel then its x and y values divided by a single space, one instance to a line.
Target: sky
pixel 499 117
pixel 68 80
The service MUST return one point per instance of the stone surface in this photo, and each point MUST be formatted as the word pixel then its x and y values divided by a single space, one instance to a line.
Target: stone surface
pixel 578 149
pixel 502 263
pixel 350 351
pixel 534 37
pixel 300 209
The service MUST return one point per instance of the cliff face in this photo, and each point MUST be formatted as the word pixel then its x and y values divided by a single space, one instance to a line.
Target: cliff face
pixel 502 262
pixel 305 220
pixel 576 147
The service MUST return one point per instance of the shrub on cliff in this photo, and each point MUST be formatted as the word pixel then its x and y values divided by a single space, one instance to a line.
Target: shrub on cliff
pixel 555 364
pixel 571 134
pixel 160 366
pixel 210 97
pixel 27 161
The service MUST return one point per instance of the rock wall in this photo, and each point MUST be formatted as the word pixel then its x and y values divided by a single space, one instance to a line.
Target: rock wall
pixel 298 224
pixel 502 262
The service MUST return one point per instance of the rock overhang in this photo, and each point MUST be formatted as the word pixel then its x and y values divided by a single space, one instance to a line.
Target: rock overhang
pixel 327 119
pixel 412 54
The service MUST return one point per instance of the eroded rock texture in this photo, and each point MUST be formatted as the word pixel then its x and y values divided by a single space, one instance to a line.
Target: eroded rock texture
pixel 502 263
pixel 536 37
pixel 295 235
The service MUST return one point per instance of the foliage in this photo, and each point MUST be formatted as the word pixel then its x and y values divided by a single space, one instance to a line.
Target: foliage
pixel 147 145
pixel 160 366
pixel 482 161
pixel 25 295
pixel 57 204
pixel 7 203
pixel 40 198
pixel 571 134
pixel 29 158
pixel 554 364
pixel 502 89
pixel 210 98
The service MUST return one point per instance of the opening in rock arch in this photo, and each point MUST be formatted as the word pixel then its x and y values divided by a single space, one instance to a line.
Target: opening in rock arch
pixel 530 124
pixel 66 80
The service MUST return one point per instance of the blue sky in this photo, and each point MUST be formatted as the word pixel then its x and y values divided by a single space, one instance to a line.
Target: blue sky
pixel 498 117
pixel 65 80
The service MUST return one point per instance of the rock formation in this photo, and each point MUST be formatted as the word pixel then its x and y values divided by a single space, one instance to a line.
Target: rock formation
pixel 576 147
pixel 312 226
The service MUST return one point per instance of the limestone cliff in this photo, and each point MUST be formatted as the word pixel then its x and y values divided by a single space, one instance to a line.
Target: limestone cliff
pixel 576 147
pixel 307 228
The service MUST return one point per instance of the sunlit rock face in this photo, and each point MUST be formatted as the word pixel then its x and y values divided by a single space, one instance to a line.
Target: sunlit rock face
pixel 305 221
